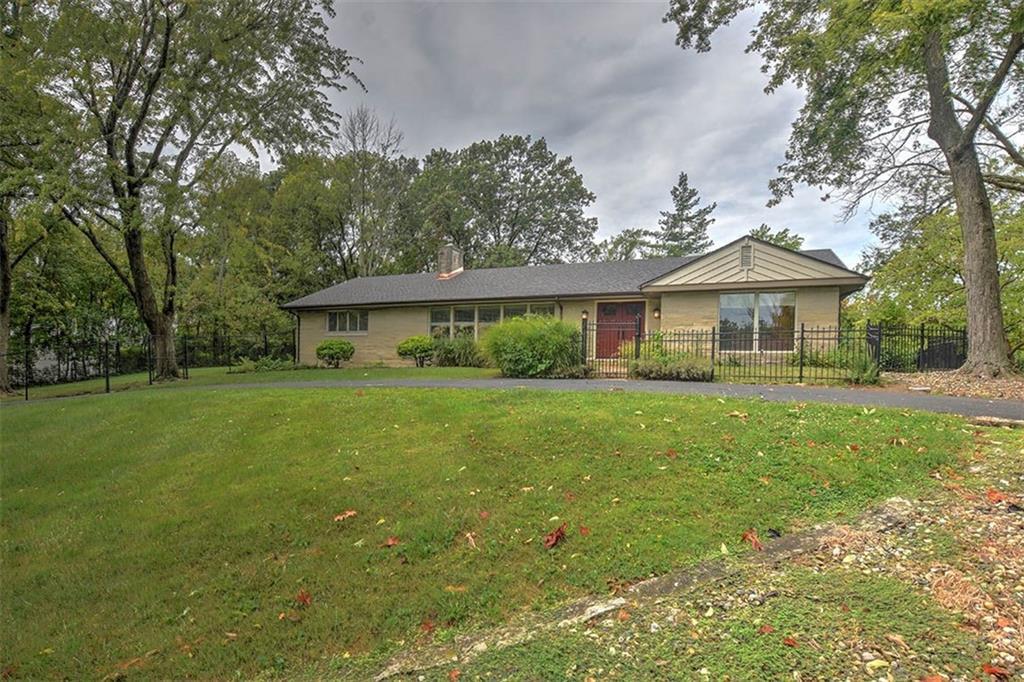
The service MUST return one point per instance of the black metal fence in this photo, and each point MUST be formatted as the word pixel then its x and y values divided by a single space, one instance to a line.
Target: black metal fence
pixel 805 354
pixel 47 360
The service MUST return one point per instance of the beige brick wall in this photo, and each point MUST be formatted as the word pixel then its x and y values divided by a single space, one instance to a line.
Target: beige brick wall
pixel 815 307
pixel 386 328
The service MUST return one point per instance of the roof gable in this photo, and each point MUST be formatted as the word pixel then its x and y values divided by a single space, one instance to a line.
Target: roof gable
pixel 751 260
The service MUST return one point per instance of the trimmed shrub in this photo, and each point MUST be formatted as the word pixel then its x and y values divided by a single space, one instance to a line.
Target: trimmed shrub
pixel 417 348
pixel 461 351
pixel 333 352
pixel 533 346
pixel 671 369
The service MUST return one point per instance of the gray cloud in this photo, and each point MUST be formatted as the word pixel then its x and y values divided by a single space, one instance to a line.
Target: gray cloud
pixel 602 82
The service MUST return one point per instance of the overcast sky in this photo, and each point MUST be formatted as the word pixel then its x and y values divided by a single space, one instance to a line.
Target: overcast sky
pixel 604 83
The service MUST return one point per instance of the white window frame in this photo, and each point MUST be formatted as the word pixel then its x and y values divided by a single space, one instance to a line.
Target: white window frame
pixel 756 347
pixel 347 312
pixel 476 315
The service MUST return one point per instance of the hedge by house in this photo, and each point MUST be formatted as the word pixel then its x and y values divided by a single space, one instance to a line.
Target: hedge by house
pixel 533 346
pixel 333 352
pixel 420 349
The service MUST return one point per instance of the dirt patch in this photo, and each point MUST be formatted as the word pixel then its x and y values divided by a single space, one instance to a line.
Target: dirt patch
pixel 954 383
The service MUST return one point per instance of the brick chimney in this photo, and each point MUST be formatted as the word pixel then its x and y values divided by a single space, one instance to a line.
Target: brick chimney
pixel 449 262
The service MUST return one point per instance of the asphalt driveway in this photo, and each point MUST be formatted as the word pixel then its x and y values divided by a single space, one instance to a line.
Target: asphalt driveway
pixel 969 407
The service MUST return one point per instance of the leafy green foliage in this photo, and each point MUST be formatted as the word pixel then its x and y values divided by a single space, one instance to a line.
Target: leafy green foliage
pixel 683 230
pixel 671 369
pixel 417 348
pixel 335 351
pixel 532 346
pixel 265 364
pixel 509 201
pixel 462 351
pixel 782 237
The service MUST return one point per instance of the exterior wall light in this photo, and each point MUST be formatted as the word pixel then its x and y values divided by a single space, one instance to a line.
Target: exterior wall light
pixel 584 314
pixel 657 313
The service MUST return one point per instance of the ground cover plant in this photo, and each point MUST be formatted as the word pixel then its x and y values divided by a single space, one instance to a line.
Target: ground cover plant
pixel 185 533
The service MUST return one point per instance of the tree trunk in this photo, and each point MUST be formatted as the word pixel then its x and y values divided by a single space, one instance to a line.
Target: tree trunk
pixel 5 306
pixel 988 353
pixel 159 321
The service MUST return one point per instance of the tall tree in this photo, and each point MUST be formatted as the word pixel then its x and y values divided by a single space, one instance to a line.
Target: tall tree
pixel 510 201
pixel 781 237
pixel 895 89
pixel 683 230
pixel 161 89
pixel 630 244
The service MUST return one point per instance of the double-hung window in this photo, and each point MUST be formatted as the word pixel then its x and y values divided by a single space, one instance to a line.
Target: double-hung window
pixel 348 321
pixel 764 321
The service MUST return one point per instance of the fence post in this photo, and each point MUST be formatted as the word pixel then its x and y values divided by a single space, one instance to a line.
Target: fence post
pixel 920 350
pixel 583 341
pixel 801 352
pixel 106 365
pixel 28 367
pixel 149 358
pixel 713 353
pixel 636 336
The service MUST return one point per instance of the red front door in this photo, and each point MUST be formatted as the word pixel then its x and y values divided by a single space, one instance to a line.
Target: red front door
pixel 616 325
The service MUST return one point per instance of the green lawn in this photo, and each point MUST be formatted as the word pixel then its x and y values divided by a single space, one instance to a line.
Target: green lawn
pixel 170 532
pixel 208 376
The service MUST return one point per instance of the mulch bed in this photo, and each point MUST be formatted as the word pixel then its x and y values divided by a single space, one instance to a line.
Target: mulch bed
pixel 955 383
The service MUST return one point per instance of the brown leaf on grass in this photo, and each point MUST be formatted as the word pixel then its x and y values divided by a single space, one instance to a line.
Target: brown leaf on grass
pixel 671 453
pixel 995 496
pixel 738 415
pixel 853 447
pixel 347 514
pixel 554 537
pixel 766 629
pixel 622 615
pixel 471 539
pixel 293 616
pixel 933 678
pixel 1003 622
pixel 8 672
pixel 392 541
pixel 485 515
pixel 304 598
pixel 569 496
pixel 428 625
pixel 454 674
pixel 790 641
pixel 995 671
pixel 898 641
pixel 750 535
pixel 360 393
pixel 584 531
pixel 765 480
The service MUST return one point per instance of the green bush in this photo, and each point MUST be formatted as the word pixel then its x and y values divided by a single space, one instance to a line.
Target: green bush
pixel 462 351
pixel 417 348
pixel 333 352
pixel 671 369
pixel 265 364
pixel 533 346
pixel 863 370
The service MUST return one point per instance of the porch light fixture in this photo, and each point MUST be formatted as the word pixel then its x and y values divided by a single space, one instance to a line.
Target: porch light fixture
pixel 657 313
pixel 584 314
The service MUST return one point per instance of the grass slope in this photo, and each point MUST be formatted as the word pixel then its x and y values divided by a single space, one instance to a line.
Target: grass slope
pixel 170 532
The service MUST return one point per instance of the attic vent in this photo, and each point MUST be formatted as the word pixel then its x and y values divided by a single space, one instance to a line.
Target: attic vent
pixel 746 256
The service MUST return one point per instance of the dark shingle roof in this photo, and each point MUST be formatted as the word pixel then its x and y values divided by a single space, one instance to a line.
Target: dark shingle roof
pixel 532 281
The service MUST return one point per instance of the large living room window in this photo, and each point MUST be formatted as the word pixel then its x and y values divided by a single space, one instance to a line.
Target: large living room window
pixel 757 321
pixel 348 321
pixel 472 321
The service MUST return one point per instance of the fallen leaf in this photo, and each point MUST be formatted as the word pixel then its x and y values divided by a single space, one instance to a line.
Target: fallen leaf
pixel 1003 622
pixel 485 515
pixel 738 415
pixel 898 641
pixel 427 625
pixel 392 541
pixel 995 497
pixel 750 535
pixel 853 448
pixel 622 615
pixel 471 539
pixel 347 514
pixel 455 588
pixel 671 453
pixel 554 537
pixel 454 674
pixel 789 641
pixel 933 678
pixel 303 598
pixel 995 671
pixel 569 496
pixel 360 392
pixel 584 531
pixel 766 629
